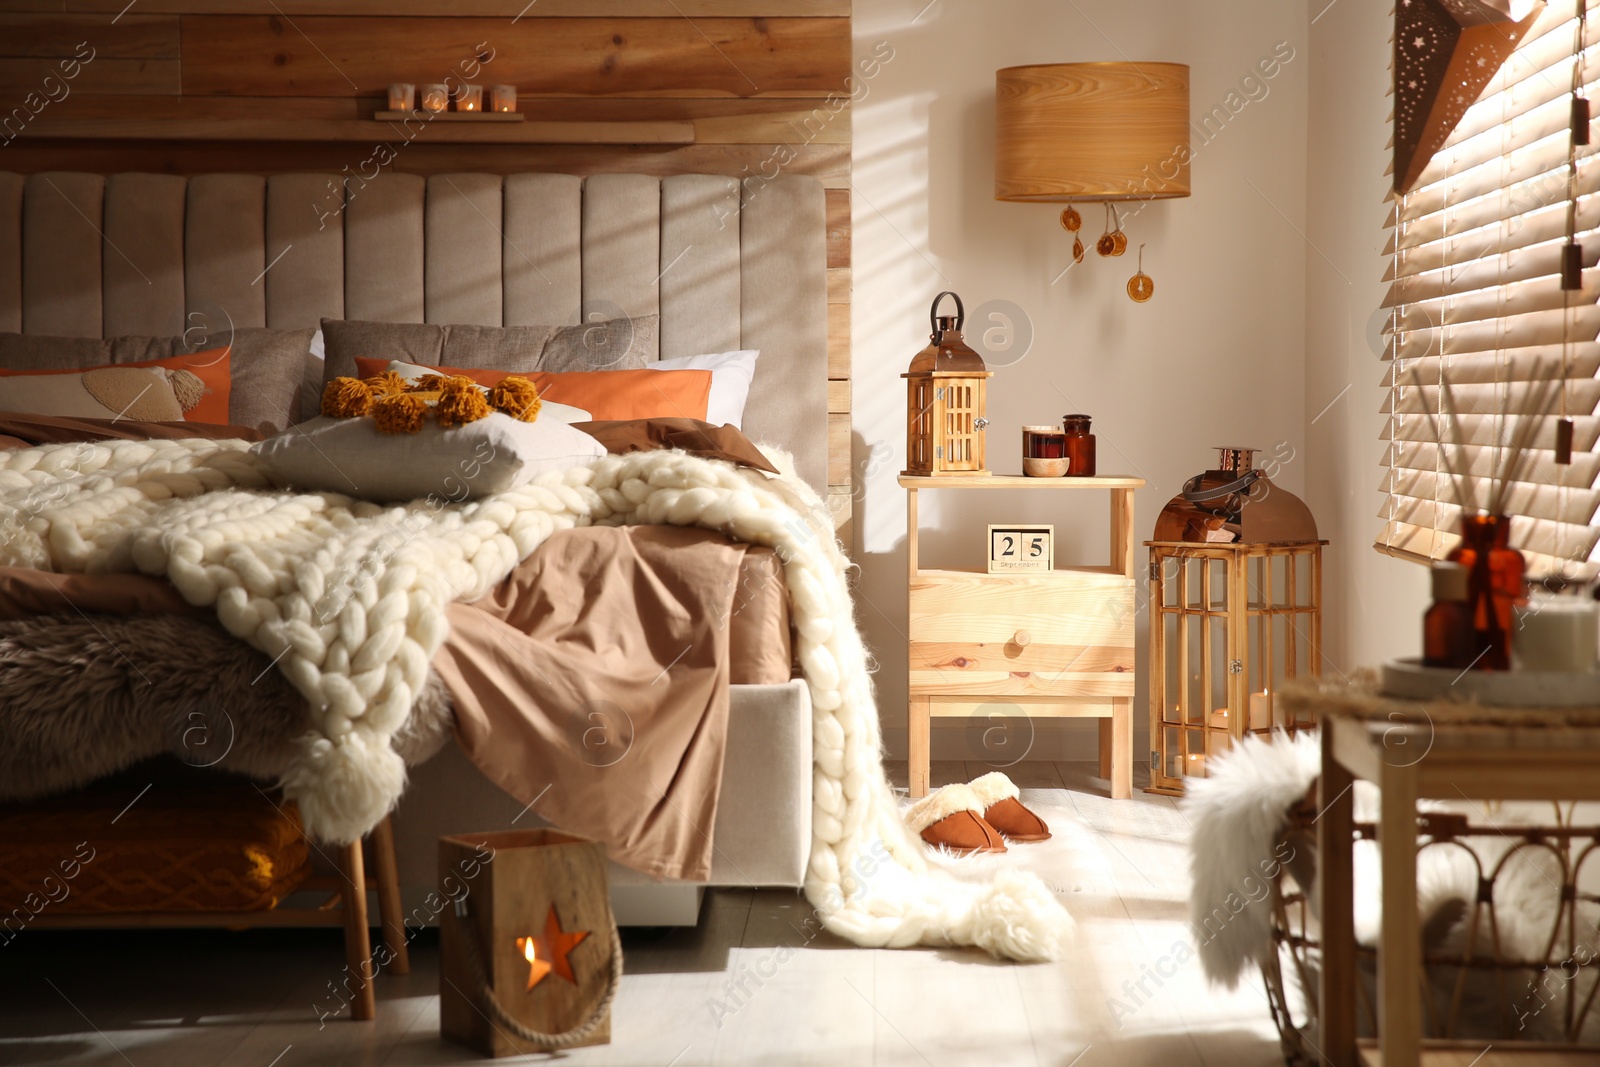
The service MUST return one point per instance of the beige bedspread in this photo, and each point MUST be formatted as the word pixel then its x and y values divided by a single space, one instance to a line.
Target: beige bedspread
pixel 591 684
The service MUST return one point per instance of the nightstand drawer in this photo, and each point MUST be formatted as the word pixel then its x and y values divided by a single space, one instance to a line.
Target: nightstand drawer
pixel 1068 633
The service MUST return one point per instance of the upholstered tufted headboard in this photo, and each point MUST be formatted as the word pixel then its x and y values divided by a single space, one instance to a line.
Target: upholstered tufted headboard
pixel 724 267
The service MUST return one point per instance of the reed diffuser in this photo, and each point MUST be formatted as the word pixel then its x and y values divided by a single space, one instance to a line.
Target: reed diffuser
pixel 1496 572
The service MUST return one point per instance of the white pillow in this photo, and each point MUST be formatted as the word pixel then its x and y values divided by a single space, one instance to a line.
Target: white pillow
pixel 731 375
pixel 490 455
pixel 547 408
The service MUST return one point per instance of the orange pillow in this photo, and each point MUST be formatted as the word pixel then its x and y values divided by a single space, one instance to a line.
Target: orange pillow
pixel 607 395
pixel 210 366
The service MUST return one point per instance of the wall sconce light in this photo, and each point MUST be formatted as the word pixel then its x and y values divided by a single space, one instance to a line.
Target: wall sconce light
pixel 1110 132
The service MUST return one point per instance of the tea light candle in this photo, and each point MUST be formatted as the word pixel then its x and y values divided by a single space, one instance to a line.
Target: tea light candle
pixel 469 98
pixel 1554 633
pixel 435 97
pixel 402 96
pixel 504 97
pixel 1261 710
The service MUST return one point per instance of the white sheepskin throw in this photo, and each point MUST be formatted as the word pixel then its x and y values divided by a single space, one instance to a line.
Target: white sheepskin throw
pixel 1238 814
pixel 347 597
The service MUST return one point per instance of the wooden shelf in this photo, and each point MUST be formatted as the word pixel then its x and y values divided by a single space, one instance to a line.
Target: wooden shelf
pixel 451 116
pixel 1018 481
pixel 1465 1054
pixel 488 130
pixel 1060 571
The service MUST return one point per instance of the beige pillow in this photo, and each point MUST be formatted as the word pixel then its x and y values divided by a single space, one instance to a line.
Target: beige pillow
pixel 490 455
pixel 139 394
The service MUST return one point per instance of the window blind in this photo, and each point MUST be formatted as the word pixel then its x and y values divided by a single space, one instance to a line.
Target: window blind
pixel 1473 266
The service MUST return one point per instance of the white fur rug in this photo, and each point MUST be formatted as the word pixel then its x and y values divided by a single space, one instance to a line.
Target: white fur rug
pixel 347 598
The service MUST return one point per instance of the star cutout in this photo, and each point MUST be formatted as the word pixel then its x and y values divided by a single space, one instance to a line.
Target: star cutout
pixel 548 952
pixel 1418 42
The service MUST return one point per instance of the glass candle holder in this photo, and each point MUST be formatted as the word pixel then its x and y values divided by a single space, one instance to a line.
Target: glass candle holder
pixel 503 98
pixel 402 96
pixel 469 98
pixel 435 97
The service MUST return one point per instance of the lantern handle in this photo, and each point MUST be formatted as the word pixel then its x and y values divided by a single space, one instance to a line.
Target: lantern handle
pixel 933 312
pixel 544 1041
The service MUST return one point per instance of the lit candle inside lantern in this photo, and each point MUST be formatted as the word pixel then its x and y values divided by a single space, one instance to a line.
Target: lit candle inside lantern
pixel 435 97
pixel 1261 710
pixel 1219 718
pixel 469 98
pixel 537 968
pixel 504 97
pixel 1195 765
pixel 402 96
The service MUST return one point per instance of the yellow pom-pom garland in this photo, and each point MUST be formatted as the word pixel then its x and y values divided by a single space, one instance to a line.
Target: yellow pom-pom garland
pixel 398 406
pixel 399 413
pixel 516 397
pixel 346 398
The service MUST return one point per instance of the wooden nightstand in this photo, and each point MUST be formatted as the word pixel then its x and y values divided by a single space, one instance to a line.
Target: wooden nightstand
pixel 1057 644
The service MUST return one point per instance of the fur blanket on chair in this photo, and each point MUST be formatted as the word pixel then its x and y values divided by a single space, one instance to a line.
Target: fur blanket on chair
pixel 347 599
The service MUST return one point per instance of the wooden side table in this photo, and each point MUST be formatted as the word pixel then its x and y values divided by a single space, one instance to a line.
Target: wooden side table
pixel 1054 644
pixel 1412 751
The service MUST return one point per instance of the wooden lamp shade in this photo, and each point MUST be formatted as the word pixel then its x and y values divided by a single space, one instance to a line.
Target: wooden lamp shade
pixel 1092 131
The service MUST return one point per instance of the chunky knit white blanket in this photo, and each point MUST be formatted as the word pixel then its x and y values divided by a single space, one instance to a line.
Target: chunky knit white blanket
pixel 348 599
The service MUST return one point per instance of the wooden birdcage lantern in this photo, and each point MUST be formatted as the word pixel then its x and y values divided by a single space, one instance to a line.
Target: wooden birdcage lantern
pixel 1235 611
pixel 946 396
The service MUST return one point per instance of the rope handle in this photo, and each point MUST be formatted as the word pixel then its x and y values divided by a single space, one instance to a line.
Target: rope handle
pixel 545 1042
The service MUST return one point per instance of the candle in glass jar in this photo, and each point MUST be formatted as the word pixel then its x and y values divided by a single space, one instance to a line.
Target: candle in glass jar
pixel 503 98
pixel 435 97
pixel 402 96
pixel 1554 633
pixel 469 98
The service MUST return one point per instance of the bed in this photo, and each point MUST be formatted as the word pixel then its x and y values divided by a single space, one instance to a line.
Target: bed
pixel 158 255
pixel 722 265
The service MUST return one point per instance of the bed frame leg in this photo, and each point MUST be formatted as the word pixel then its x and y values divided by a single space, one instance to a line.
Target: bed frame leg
pixel 394 929
pixel 357 938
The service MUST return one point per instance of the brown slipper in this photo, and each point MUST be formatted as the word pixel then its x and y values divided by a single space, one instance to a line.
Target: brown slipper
pixel 997 799
pixel 948 818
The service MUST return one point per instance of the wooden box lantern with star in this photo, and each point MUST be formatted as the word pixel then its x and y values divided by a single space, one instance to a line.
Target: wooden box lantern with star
pixel 529 951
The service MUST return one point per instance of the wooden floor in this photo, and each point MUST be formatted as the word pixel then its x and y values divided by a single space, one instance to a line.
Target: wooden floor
pixel 746 987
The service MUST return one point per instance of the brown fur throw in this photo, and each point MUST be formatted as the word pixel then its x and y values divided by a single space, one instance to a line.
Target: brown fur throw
pixel 82 697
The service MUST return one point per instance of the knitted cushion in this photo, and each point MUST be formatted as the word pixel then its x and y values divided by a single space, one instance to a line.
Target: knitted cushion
pixel 223 848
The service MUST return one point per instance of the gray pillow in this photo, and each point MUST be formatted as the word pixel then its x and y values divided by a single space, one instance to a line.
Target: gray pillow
pixel 616 344
pixel 264 368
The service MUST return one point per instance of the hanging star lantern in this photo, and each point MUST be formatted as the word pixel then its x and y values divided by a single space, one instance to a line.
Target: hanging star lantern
pixel 549 951
pixel 1446 52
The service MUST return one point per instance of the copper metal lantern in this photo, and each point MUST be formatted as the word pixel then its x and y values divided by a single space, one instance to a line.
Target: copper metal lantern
pixel 946 395
pixel 1235 611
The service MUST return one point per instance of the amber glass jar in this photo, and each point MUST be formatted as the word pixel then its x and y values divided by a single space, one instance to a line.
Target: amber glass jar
pixel 1496 579
pixel 1449 637
pixel 1080 446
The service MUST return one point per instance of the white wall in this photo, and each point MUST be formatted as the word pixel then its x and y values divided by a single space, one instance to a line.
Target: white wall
pixel 1373 603
pixel 1217 357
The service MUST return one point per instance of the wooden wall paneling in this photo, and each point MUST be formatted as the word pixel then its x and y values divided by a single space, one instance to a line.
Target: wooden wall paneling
pixel 223 55
pixel 53 36
pixel 519 9
pixel 11 186
pixel 19 77
pixel 839 341
pixel 839 227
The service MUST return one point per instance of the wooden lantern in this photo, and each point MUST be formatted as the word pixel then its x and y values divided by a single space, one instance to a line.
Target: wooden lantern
pixel 530 957
pixel 946 396
pixel 1235 611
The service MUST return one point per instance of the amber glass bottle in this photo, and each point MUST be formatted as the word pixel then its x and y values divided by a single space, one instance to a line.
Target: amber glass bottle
pixel 1080 446
pixel 1449 637
pixel 1496 579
